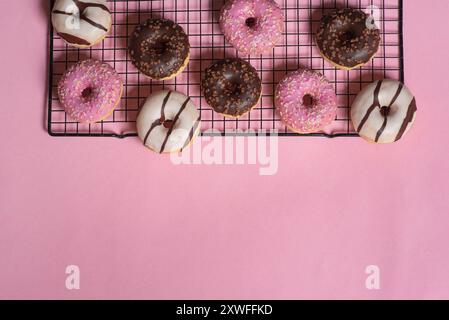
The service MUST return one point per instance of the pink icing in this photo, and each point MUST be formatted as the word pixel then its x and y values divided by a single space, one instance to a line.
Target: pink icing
pixel 290 102
pixel 266 29
pixel 90 90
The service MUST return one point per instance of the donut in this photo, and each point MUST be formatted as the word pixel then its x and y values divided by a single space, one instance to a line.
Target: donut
pixel 90 90
pixel 384 111
pixel 232 87
pixel 252 26
pixel 159 48
pixel 168 122
pixel 346 39
pixel 81 24
pixel 306 101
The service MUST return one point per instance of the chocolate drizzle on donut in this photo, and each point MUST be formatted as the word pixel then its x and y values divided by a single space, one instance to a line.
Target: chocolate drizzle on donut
pixel 159 48
pixel 74 39
pixel 82 7
pixel 159 121
pixel 385 112
pixel 408 119
pixel 345 39
pixel 376 104
pixel 192 132
pixel 232 87
pixel 173 123
pixel 169 123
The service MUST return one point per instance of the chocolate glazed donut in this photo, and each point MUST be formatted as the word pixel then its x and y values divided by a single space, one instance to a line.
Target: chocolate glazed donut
pixel 159 48
pixel 346 39
pixel 232 87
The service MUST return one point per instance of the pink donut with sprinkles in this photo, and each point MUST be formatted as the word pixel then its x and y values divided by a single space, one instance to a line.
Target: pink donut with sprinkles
pixel 252 26
pixel 90 91
pixel 306 101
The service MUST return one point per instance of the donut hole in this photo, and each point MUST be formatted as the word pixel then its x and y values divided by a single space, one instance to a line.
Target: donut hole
pixel 385 111
pixel 160 47
pixel 168 124
pixel 371 23
pixel 251 22
pixel 349 35
pixel 308 101
pixel 87 93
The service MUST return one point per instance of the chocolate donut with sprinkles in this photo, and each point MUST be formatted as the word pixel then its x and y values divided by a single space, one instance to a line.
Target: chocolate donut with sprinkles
pixel 81 24
pixel 348 38
pixel 384 111
pixel 159 48
pixel 232 87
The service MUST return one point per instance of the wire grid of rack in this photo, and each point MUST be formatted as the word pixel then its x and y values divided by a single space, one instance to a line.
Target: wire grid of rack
pixel 199 18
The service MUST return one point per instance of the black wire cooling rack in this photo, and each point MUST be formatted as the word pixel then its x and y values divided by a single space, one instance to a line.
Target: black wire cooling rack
pixel 199 18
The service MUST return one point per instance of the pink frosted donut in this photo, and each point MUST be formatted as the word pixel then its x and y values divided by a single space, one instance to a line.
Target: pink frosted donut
pixel 90 90
pixel 252 26
pixel 306 101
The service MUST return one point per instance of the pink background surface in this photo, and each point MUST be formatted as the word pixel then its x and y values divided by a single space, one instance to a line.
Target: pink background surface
pixel 140 227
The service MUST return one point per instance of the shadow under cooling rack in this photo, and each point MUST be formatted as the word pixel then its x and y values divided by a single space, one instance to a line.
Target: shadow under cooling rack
pixel 199 19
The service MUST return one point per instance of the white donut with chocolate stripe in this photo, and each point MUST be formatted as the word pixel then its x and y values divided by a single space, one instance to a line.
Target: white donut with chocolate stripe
pixel 81 24
pixel 168 122
pixel 384 111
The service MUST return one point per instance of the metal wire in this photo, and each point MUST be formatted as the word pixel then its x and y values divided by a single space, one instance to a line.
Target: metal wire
pixel 199 19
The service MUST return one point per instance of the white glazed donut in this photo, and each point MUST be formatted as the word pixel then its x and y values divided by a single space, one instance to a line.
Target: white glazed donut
pixel 81 24
pixel 384 111
pixel 168 122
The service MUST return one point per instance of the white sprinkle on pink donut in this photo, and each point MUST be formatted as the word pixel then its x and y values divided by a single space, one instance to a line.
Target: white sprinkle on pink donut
pixel 252 26
pixel 306 101
pixel 90 90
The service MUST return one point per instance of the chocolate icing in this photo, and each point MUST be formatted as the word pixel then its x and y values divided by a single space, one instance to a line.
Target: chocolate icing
pixel 173 122
pixel 82 7
pixel 161 120
pixel 376 104
pixel 412 108
pixel 73 39
pixel 159 48
pixel 170 123
pixel 232 87
pixel 192 132
pixel 385 110
pixel 344 38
